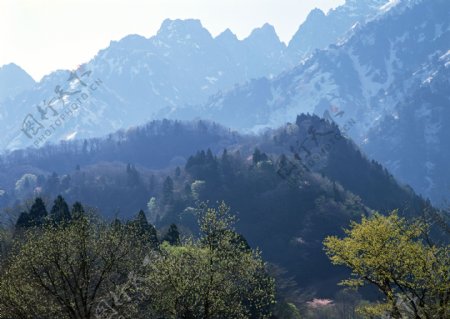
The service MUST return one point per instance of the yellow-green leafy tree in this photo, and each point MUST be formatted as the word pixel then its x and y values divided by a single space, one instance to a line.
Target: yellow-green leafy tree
pixel 216 276
pixel 66 270
pixel 395 256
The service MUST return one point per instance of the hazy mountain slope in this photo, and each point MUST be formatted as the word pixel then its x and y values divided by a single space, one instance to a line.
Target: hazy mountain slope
pixel 13 80
pixel 164 144
pixel 363 77
pixel 414 142
pixel 318 146
pixel 320 29
pixel 156 145
pixel 136 77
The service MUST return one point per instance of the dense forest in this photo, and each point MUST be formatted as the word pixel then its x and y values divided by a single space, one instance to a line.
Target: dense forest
pixel 290 190
pixel 72 263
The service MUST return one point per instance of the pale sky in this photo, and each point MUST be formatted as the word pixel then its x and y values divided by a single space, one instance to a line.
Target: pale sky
pixel 45 35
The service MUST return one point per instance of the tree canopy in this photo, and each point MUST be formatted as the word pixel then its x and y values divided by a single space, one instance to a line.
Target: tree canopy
pixel 397 257
pixel 77 266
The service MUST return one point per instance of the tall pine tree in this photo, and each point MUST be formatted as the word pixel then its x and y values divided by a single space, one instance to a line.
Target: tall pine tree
pixel 146 230
pixel 60 211
pixel 167 190
pixel 38 213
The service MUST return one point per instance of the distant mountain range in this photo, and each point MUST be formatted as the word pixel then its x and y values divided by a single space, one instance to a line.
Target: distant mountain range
pixel 181 65
pixel 378 69
pixel 364 77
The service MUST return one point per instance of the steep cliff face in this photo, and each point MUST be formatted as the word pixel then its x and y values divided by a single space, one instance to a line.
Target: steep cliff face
pixel 320 29
pixel 413 141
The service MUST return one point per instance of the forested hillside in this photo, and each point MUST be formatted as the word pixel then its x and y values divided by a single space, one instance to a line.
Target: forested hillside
pixel 291 187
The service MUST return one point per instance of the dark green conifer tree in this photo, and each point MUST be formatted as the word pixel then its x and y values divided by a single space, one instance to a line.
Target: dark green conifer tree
pixel 167 190
pixel 177 171
pixel 23 221
pixel 60 211
pixel 38 213
pixel 146 230
pixel 173 235
pixel 77 210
